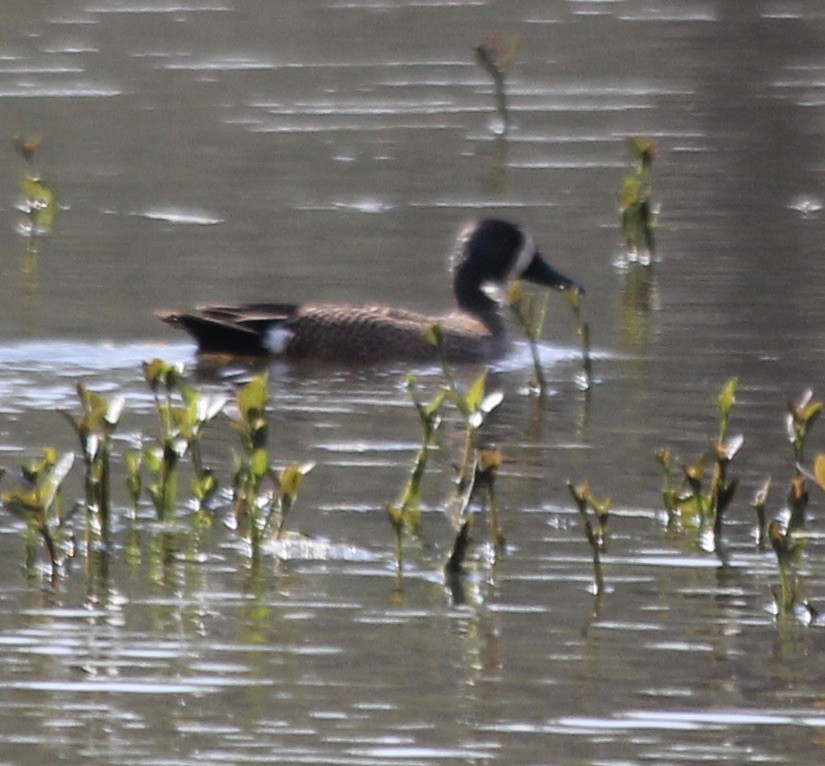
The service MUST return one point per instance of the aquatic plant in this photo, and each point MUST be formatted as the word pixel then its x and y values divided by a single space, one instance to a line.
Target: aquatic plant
pixel 485 467
pixel 530 318
pixel 182 413
pixel 596 533
pixel 477 467
pixel 94 428
pixel 162 458
pixel 473 402
pixel 759 504
pixel 788 543
pixel 38 205
pixel 691 505
pixel 637 211
pixel 405 513
pixel 530 314
pixel 262 496
pixel 134 479
pixel 475 470
pixel 37 501
pixel 495 55
pixel 252 463
pixel 583 330
pixel 798 423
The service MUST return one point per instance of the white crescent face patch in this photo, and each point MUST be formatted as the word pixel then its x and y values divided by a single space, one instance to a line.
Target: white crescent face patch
pixel 524 257
pixel 277 339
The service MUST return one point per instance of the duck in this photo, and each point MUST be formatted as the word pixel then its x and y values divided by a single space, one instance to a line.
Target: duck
pixel 487 252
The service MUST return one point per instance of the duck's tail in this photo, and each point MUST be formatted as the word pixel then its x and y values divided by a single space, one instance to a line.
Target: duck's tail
pixel 244 329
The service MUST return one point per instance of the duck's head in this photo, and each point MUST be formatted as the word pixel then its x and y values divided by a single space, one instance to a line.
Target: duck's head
pixel 493 251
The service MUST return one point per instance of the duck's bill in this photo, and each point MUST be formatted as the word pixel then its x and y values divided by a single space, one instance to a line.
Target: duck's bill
pixel 542 273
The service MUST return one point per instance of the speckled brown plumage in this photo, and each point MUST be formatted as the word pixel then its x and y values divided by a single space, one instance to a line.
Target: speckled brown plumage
pixel 373 333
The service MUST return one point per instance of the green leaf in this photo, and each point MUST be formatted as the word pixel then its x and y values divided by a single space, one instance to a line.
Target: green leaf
pixel 133 462
pixel 433 335
pixel 819 469
pixel 154 459
pixel 55 478
pixel 644 149
pixel 475 393
pixel 727 397
pixel 41 203
pixel 290 478
pixel 252 397
pixel 630 192
pixel 435 405
pixel 396 514
pixel 203 486
pixel 154 372
pixel 810 413
pixel 259 463
pixel 514 294
pixel 574 298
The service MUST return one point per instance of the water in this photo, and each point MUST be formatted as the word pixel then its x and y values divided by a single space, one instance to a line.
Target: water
pixel 213 150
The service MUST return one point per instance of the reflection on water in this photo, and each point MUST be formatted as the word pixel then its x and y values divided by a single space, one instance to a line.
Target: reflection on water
pixel 209 151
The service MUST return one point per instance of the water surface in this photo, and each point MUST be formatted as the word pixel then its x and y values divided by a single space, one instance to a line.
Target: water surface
pixel 330 149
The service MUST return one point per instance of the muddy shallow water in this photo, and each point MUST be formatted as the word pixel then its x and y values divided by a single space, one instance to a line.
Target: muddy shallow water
pixel 330 150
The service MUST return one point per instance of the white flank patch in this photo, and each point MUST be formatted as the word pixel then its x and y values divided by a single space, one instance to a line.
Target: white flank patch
pixel 277 339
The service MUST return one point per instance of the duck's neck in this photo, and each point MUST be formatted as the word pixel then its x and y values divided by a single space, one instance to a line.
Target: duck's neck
pixel 474 301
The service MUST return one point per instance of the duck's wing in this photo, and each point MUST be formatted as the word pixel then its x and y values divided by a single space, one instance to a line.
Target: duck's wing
pixel 234 329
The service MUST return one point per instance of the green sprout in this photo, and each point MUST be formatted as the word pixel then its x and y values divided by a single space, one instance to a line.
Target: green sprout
pixel 252 463
pixel 583 330
pixel 596 533
pixel 134 478
pixel 39 204
pixel 759 504
pixel 788 546
pixel 182 413
pixel 530 318
pixel 485 467
pixel 406 513
pixel 262 496
pixel 787 531
pixel 495 55
pixel 799 421
pixel 670 494
pixel 162 458
pixel 37 502
pixel 638 215
pixel 39 207
pixel 94 428
pixel 474 404
pixel 691 505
